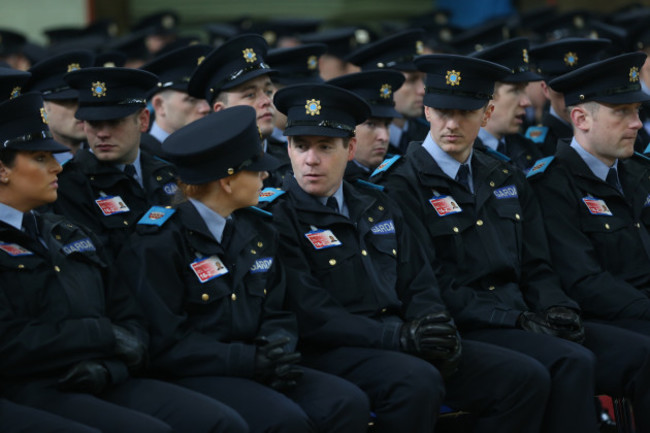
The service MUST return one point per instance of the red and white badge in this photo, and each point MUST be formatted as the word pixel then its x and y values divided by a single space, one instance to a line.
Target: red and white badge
pixel 15 250
pixel 112 205
pixel 445 205
pixel 597 206
pixel 321 239
pixel 208 268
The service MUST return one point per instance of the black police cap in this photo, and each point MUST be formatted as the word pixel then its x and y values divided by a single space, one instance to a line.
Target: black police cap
pixel 110 93
pixel 47 75
pixel 158 23
pixel 238 60
pixel 110 59
pixel 340 41
pixel 133 45
pixel 320 109
pixel 23 125
pixel 218 145
pixel 482 36
pixel 459 82
pixel 296 65
pixel 615 80
pixel 175 68
pixel 12 82
pixel 375 87
pixel 392 52
pixel 565 55
pixel 513 54
pixel 218 33
pixel 11 42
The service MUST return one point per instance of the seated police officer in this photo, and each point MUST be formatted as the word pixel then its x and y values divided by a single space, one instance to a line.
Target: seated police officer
pixel 71 336
pixel 483 220
pixel 208 276
pixel 367 300
pixel 109 186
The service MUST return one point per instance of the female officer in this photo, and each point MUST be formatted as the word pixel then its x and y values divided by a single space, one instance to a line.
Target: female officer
pixel 214 296
pixel 69 337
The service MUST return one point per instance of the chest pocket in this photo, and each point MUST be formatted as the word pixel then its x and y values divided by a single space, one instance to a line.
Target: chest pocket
pixel 209 292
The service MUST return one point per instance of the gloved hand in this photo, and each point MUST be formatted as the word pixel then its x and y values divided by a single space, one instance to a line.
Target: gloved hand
pixel 129 348
pixel 540 323
pixel 86 376
pixel 567 323
pixel 274 366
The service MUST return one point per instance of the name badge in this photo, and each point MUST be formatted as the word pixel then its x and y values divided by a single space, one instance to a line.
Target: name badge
pixel 509 191
pixel 597 206
pixel 261 265
pixel 445 205
pixel 322 239
pixel 80 246
pixel 208 268
pixel 112 205
pixel 170 188
pixel 15 250
pixel 383 228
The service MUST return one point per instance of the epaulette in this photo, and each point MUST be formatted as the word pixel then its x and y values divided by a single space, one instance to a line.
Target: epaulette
pixel 385 165
pixel 161 160
pixel 267 195
pixel 536 133
pixel 644 157
pixel 370 185
pixel 156 216
pixel 540 166
pixel 259 211
pixel 498 155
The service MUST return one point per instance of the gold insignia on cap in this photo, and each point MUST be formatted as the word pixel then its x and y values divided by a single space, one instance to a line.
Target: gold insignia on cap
pixel 200 60
pixel 312 63
pixel 109 64
pixel 73 67
pixel 249 55
pixel 43 115
pixel 99 89
pixel 453 78
pixel 361 36
pixel 385 91
pixel 168 21
pixel 570 59
pixel 525 55
pixel 15 92
pixel 313 107
pixel 419 47
pixel 579 22
pixel 270 36
pixel 634 74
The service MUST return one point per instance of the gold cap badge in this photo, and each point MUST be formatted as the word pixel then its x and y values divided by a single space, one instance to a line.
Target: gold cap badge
pixel 453 78
pixel 385 91
pixel 99 89
pixel 570 59
pixel 249 55
pixel 313 107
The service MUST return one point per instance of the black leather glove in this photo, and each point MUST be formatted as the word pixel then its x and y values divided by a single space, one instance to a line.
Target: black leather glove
pixel 567 323
pixel 129 349
pixel 539 323
pixel 274 366
pixel 86 376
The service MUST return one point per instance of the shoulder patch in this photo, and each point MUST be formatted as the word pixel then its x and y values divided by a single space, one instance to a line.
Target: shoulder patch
pixel 645 158
pixel 260 211
pixel 540 166
pixel 370 185
pixel 157 216
pixel 385 165
pixel 536 133
pixel 498 155
pixel 267 195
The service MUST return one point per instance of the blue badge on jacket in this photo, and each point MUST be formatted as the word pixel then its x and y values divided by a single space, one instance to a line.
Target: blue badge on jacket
pixel 509 191
pixel 170 188
pixel 385 165
pixel 157 216
pixel 537 133
pixel 270 194
pixel 81 246
pixel 383 228
pixel 540 166
pixel 262 265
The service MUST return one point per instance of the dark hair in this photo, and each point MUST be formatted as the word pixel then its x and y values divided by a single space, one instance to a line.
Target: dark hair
pixel 8 156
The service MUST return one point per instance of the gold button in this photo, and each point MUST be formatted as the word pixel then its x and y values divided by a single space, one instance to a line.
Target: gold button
pixel 383 310
pixel 126 223
pixel 394 252
pixel 260 245
pixel 380 207
pixel 528 157
pixel 233 297
pixel 168 207
pixel 491 288
pixel 92 177
pixel 265 291
pixel 253 252
pixel 371 219
pixel 158 178
pixel 517 217
pixel 491 184
pixel 455 229
pixel 479 223
pixel 21 266
pixel 58 237
pixel 638 225
pixel 332 262
pixel 56 268
pixel 205 297
pixel 505 170
pixel 364 252
pixel 607 226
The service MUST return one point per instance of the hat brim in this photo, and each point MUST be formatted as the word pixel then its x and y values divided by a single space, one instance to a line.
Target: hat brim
pixel 47 145
pixel 522 77
pixel 287 81
pixel 318 131
pixel 246 77
pixel 454 102
pixel 64 95
pixel 108 112
pixel 623 98
pixel 265 163
pixel 201 173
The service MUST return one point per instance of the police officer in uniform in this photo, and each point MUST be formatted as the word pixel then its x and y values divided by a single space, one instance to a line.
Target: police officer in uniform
pixel 213 287
pixel 366 299
pixel 72 336
pixel 109 186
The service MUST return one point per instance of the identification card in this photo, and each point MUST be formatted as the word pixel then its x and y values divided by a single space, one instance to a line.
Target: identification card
pixel 597 206
pixel 15 250
pixel 445 205
pixel 322 239
pixel 208 268
pixel 112 205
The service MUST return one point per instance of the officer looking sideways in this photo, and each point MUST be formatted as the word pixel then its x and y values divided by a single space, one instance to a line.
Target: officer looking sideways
pixel 365 296
pixel 208 277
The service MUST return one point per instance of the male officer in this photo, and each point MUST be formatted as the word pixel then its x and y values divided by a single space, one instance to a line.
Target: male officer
pixel 397 52
pixel 59 100
pixel 377 89
pixel 172 105
pixel 482 219
pixel 552 60
pixel 108 187
pixel 502 131
pixel 366 299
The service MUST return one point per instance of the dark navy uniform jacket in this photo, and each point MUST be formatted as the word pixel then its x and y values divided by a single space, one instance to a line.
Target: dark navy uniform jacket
pixel 602 255
pixel 278 149
pixel 207 328
pixel 522 152
pixel 57 305
pixel 557 129
pixel 494 255
pixel 417 130
pixel 358 293
pixel 85 179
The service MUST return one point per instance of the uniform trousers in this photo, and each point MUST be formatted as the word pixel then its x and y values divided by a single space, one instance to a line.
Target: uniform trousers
pixel 21 419
pixel 319 403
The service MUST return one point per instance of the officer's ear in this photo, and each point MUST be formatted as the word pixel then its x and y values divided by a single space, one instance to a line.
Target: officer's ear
pixel 581 117
pixel 143 119
pixel 487 114
pixel 352 148
pixel 158 104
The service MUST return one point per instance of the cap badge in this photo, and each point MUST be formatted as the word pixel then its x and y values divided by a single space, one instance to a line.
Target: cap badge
pixel 109 64
pixel 525 55
pixel 312 63
pixel 200 60
pixel 99 89
pixel 453 78
pixel 15 92
pixel 249 55
pixel 270 37
pixel 168 22
pixel 385 91
pixel 571 59
pixel 73 67
pixel 43 116
pixel 578 22
pixel 634 74
pixel 419 47
pixel 313 107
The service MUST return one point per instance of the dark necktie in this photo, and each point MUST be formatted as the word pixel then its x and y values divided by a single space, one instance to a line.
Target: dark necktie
pixel 462 176
pixel 612 179
pixel 129 170
pixel 226 235
pixel 30 225
pixel 332 203
pixel 501 147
